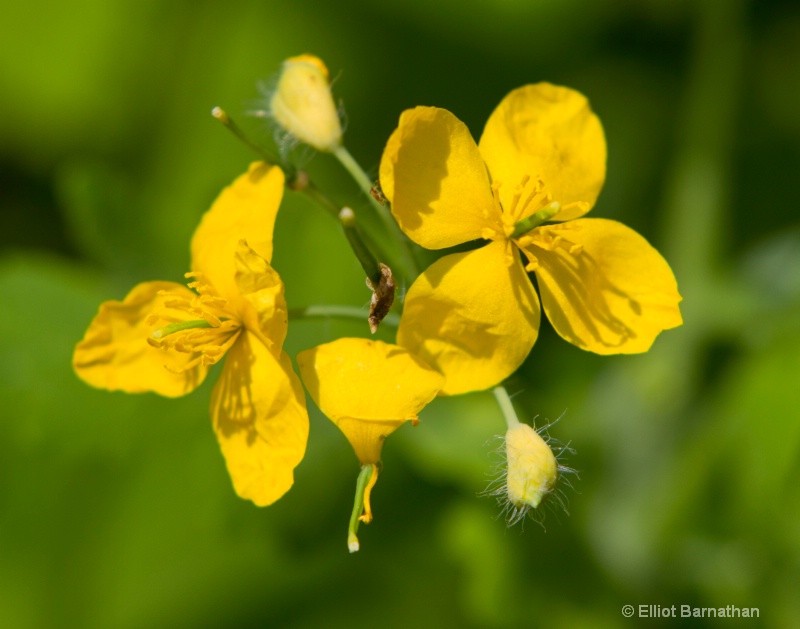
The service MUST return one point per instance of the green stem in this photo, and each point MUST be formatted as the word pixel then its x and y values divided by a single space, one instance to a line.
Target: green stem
pixel 225 119
pixel 506 405
pixel 368 261
pixel 360 177
pixel 343 312
pixel 358 507
pixel 313 193
pixel 297 181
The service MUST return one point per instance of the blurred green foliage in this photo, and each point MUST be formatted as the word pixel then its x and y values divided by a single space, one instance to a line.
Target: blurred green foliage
pixel 117 511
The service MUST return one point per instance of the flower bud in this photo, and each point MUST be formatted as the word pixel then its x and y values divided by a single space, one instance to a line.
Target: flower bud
pixel 302 103
pixel 532 467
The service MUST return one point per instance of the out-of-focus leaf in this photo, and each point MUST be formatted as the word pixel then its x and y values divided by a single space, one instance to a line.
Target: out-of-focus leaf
pixel 456 440
pixel 104 220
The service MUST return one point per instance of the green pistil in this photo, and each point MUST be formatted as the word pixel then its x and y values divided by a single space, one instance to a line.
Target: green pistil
pixel 358 507
pixel 180 326
pixel 534 220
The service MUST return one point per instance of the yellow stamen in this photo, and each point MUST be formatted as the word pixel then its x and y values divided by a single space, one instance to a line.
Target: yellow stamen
pixel 496 197
pixel 524 241
pixel 366 518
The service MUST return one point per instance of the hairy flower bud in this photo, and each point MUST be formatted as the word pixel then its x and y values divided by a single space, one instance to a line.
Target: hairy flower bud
pixel 532 467
pixel 302 103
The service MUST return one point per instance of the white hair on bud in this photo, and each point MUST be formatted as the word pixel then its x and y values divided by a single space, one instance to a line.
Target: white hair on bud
pixel 553 496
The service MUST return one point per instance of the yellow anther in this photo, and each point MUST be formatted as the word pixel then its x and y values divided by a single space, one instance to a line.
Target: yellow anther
pixel 524 241
pixel 487 233
pixel 213 300
pixel 575 249
pixel 178 304
pixel 532 266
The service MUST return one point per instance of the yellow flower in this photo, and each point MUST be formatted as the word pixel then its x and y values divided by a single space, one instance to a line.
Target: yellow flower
pixel 164 337
pixel 302 103
pixel 541 158
pixel 368 389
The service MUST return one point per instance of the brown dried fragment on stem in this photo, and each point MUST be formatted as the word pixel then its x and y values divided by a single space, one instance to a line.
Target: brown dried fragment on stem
pixel 382 297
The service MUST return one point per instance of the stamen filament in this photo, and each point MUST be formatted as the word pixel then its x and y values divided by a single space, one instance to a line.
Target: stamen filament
pixel 366 518
pixel 537 188
pixel 496 197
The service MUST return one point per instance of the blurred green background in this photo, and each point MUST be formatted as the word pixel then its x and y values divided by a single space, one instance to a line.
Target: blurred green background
pixel 117 511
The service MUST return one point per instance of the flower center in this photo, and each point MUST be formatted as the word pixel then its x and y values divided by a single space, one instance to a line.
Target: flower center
pixel 527 199
pixel 555 237
pixel 199 326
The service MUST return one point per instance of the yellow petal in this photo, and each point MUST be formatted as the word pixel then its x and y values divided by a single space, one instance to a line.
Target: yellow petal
pixel 367 388
pixel 259 415
pixel 115 355
pixel 244 210
pixel 550 132
pixel 613 297
pixel 261 288
pixel 474 316
pixel 435 178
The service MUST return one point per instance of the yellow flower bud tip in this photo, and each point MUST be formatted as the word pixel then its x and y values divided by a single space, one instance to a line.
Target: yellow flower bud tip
pixel 302 104
pixel 313 60
pixel 529 473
